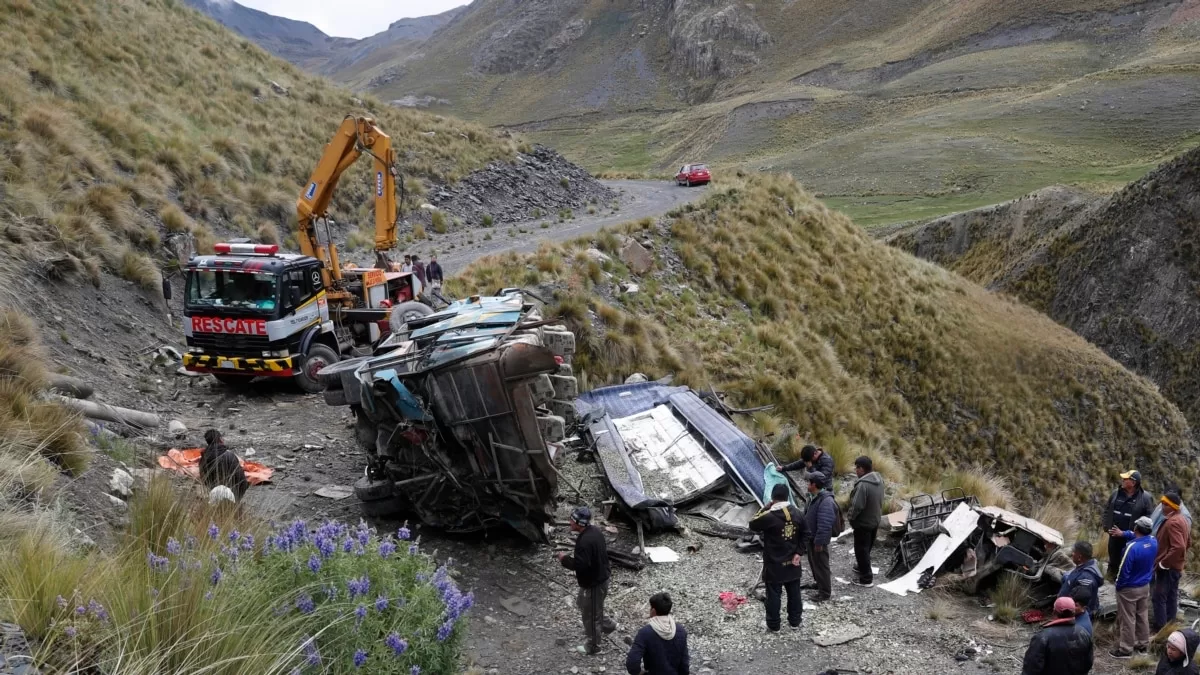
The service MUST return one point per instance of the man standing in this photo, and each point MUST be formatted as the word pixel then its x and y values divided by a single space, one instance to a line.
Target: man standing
pixel 819 519
pixel 590 564
pixel 1133 590
pixel 866 510
pixel 418 269
pixel 783 533
pixel 816 459
pixel 434 272
pixel 1173 538
pixel 660 645
pixel 1128 503
pixel 407 266
pixel 1086 575
pixel 1157 518
pixel 1061 648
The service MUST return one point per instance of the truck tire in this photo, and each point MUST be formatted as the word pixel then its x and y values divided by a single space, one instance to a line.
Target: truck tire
pixel 231 380
pixel 405 312
pixel 318 357
pixel 368 490
pixel 335 397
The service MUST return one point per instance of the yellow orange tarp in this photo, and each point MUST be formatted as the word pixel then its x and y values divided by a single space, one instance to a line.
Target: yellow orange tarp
pixel 187 462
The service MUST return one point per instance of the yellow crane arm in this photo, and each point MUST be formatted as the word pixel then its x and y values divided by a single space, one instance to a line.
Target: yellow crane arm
pixel 355 136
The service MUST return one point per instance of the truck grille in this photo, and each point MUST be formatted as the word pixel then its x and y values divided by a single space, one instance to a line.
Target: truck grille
pixel 231 345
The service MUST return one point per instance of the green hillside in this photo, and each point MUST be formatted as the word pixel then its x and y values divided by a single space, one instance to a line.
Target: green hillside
pixel 763 292
pixel 123 121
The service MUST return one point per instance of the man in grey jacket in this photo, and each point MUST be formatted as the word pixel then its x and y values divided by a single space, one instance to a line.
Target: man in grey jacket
pixel 866 510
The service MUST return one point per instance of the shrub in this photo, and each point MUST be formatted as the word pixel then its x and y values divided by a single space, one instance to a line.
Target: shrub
pixel 1011 597
pixel 174 219
pixel 487 220
pixel 418 231
pixel 565 182
pixel 140 269
pixel 439 222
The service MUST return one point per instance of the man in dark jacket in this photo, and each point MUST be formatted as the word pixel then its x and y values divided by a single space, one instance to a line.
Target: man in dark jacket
pixel 1179 656
pixel 782 528
pixel 1128 503
pixel 418 269
pixel 434 272
pixel 1174 537
pixel 1081 596
pixel 819 519
pixel 590 564
pixel 660 647
pixel 1085 575
pixel 813 458
pixel 1061 648
pixel 866 510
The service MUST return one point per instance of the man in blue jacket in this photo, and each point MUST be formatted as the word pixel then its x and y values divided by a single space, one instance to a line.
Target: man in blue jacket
pixel 1086 575
pixel 1133 590
pixel 660 647
pixel 820 517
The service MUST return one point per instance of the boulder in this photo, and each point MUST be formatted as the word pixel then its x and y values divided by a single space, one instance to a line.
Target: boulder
pixel 121 483
pixel 636 257
pixel 597 255
pixel 177 429
pixel 636 378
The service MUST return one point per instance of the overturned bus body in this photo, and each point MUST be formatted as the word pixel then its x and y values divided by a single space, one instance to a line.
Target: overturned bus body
pixel 456 414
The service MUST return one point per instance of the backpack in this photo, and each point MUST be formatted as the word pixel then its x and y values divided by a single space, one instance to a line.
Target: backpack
pixel 839 521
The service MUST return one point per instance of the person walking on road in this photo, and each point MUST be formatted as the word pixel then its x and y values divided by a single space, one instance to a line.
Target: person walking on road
pixel 591 567
pixel 434 272
pixel 1061 647
pixel 1133 590
pixel 813 458
pixel 1179 657
pixel 866 510
pixel 1174 537
pixel 660 647
pixel 820 519
pixel 783 532
pixel 1127 503
pixel 1086 575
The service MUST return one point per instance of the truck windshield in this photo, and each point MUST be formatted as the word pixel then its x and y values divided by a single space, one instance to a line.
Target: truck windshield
pixel 227 288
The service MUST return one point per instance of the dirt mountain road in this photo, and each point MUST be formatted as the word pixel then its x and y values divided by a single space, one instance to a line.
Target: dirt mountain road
pixel 638 199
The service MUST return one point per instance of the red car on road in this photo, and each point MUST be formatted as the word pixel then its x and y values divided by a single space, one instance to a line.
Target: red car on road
pixel 693 174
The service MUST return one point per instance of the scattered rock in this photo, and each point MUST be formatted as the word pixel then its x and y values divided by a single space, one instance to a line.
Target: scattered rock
pixel 334 491
pixel 121 483
pixel 636 378
pixel 629 288
pixel 516 606
pixel 278 88
pixel 597 255
pixel 840 635
pixel 636 257
pixel 117 502
pixel 177 429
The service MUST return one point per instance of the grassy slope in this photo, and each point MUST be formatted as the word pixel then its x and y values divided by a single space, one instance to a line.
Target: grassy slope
pixel 777 299
pixel 123 120
pixel 966 129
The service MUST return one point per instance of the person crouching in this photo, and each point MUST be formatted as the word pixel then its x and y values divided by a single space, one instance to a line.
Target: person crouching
pixel 219 467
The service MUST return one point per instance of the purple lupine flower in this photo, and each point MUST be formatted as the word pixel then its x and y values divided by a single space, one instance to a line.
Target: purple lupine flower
pixel 71 632
pixel 157 563
pixel 215 578
pixel 314 563
pixel 173 547
pixel 466 602
pixel 381 603
pixel 81 610
pixel 189 542
pixel 248 542
pixel 386 549
pixel 358 587
pixel 208 595
pixel 422 578
pixel 98 610
pixel 360 658
pixel 359 614
pixel 403 533
pixel 213 531
pixel 305 604
pixel 416 670
pixel 326 546
pixel 312 656
pixel 444 632
pixel 348 545
pixel 331 592
pixel 397 644
pixel 61 602
pixel 360 550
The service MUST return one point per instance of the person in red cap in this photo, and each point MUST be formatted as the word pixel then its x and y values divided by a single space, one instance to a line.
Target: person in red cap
pixel 1174 536
pixel 1127 503
pixel 1061 648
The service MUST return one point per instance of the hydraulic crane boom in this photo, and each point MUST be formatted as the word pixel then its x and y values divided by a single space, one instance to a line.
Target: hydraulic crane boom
pixel 355 136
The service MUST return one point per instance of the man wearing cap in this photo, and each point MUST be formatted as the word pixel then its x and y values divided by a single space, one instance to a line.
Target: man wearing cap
pixel 1061 647
pixel 1133 590
pixel 819 519
pixel 1173 538
pixel 782 528
pixel 814 459
pixel 1179 656
pixel 590 564
pixel 1128 503
pixel 1086 575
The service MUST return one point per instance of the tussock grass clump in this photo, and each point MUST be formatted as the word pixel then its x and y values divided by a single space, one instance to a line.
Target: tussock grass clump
pixel 1011 597
pixel 866 343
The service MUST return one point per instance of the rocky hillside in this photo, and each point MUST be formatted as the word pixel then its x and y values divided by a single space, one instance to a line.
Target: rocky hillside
pixel 765 293
pixel 1123 270
pixel 308 47
pixel 897 110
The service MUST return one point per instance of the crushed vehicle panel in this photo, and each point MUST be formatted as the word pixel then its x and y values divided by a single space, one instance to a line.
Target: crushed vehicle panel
pixel 458 430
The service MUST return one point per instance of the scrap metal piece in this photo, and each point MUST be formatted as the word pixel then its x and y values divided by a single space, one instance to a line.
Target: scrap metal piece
pixel 958 526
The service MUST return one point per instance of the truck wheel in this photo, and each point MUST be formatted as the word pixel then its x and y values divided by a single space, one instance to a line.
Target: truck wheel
pixel 231 380
pixel 368 490
pixel 335 397
pixel 405 312
pixel 318 357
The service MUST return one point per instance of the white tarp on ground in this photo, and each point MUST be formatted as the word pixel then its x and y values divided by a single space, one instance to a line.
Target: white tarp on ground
pixel 673 466
pixel 959 524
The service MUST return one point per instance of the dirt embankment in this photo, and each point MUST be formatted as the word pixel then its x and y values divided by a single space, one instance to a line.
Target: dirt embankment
pixel 1122 271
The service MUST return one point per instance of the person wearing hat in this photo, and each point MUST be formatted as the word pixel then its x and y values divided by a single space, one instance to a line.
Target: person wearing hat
pixel 1128 503
pixel 820 519
pixel 1157 518
pixel 1133 590
pixel 590 564
pixel 1173 537
pixel 1061 647
pixel 1179 656
pixel 815 459
pixel 1086 575
pixel 783 532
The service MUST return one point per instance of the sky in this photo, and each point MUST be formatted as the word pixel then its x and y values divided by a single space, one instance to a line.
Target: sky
pixel 352 18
